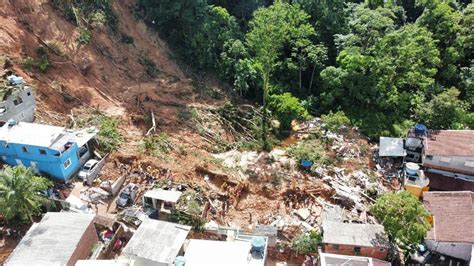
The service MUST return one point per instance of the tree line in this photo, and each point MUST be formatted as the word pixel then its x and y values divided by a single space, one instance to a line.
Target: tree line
pixel 384 64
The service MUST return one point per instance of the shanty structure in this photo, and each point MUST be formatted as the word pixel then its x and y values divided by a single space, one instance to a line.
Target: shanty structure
pixel 161 200
pixel 60 238
pixel 391 147
pixel 452 231
pixel 328 259
pixel 49 150
pixel 367 240
pixel 156 243
pixel 235 252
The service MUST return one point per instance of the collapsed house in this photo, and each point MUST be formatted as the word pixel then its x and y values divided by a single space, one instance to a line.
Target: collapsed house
pixel 49 150
pixel 17 100
pixel 351 239
pixel 60 238
pixel 452 232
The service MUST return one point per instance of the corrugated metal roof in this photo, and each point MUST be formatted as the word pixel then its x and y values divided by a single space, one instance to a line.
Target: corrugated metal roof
pixel 392 147
pixel 157 241
pixel 364 235
pixel 453 213
pixel 52 241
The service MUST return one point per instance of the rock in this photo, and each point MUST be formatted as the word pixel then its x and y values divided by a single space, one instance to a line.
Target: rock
pixel 307 226
pixel 276 154
pixel 303 213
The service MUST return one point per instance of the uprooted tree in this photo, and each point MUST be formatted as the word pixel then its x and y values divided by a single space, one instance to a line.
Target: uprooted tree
pixel 404 218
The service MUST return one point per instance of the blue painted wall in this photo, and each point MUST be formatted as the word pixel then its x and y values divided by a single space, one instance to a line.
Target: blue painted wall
pixel 48 162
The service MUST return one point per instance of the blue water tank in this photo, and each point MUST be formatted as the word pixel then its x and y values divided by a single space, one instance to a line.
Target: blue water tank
pixel 420 129
pixel 258 243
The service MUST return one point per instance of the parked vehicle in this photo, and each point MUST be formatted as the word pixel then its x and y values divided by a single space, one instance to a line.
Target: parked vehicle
pixel 88 169
pixel 127 196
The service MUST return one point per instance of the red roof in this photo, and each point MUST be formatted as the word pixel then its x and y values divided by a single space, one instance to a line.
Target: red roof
pixel 450 143
pixel 453 214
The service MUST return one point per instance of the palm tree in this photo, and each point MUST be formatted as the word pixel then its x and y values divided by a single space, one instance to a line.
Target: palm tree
pixel 19 189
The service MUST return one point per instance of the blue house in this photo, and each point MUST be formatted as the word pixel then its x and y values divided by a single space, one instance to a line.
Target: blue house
pixel 49 150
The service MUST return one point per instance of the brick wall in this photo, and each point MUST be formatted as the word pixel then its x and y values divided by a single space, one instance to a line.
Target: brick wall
pixel 349 250
pixel 84 248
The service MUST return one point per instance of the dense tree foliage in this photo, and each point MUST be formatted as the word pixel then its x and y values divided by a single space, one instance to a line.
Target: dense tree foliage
pixel 404 218
pixel 19 198
pixel 386 64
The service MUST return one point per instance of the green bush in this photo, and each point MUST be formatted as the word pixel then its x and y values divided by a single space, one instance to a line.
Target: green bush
pixel 28 63
pixel 84 37
pixel 109 134
pixel 149 65
pixel 334 121
pixel 42 63
pixel 287 108
pixel 307 242
pixel 311 150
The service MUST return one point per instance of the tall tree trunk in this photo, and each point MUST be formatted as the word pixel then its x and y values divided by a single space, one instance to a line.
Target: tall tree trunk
pixel 266 78
pixel 311 80
pixel 300 79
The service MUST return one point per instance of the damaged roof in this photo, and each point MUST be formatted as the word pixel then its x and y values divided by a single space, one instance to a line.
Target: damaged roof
pixel 450 143
pixel 52 241
pixel 391 147
pixel 451 211
pixel 157 241
pixel 365 235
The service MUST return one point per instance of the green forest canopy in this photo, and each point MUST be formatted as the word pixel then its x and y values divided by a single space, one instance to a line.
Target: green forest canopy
pixel 386 64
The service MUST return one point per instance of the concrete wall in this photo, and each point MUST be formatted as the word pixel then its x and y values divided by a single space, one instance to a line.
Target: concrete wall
pixel 457 250
pixel 349 250
pixel 84 248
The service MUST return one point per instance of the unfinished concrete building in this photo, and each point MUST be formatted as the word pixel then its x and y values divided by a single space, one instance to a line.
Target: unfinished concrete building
pixel 17 100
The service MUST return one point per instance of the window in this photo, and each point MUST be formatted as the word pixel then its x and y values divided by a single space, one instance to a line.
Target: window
pixel 357 250
pixel 42 152
pixel 24 149
pixel 382 249
pixel 5 145
pixel 336 247
pixel 67 163
pixel 18 101
pixel 445 159
pixel 469 164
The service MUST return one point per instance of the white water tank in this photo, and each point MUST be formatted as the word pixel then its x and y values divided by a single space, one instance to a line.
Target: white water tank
pixel 411 168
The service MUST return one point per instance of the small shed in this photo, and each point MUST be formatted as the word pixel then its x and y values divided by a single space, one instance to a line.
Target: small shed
pixel 160 199
pixel 60 238
pixel 156 243
pixel 391 147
